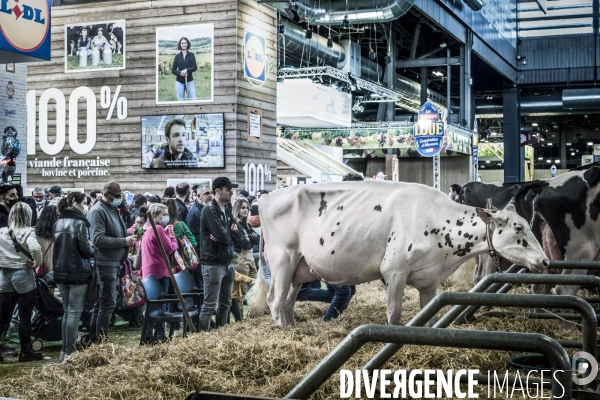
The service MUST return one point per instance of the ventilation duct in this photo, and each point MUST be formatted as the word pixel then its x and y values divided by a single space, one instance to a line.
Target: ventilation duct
pixel 474 5
pixel 311 51
pixel 359 12
pixel 581 99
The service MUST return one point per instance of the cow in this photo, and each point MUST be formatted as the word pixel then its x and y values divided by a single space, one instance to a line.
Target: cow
pixel 570 207
pixel 162 68
pixel 348 233
pixel 521 194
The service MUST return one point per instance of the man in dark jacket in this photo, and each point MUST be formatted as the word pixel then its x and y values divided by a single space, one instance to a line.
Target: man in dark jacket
pixel 109 237
pixel 203 197
pixel 8 198
pixel 181 193
pixel 216 252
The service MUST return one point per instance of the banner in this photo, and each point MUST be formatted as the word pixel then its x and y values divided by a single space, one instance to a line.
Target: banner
pixel 429 131
pixel 25 27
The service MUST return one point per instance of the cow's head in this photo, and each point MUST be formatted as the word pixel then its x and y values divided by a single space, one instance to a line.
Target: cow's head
pixel 513 239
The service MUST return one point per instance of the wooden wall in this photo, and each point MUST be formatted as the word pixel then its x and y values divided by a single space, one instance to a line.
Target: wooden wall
pixel 120 140
pixel 420 170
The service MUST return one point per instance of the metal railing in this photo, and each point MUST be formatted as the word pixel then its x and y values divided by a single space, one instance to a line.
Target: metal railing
pixel 400 335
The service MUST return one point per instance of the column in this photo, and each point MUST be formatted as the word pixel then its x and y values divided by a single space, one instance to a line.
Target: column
pixel 563 146
pixel 514 154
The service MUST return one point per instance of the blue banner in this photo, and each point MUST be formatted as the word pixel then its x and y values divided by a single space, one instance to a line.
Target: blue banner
pixel 429 131
pixel 25 27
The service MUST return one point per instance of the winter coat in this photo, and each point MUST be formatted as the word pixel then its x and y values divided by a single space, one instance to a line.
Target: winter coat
pixel 108 232
pixel 13 259
pixel 72 249
pixel 236 293
pixel 152 261
pixel 217 223
pixel 193 222
pixel 242 238
pixel 182 211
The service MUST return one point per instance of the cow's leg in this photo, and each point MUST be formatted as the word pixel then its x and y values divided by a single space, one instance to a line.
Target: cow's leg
pixel 290 302
pixel 396 282
pixel 283 266
pixel 425 296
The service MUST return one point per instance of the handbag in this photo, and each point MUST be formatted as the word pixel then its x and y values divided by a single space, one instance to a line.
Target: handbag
pixel 187 253
pixel 40 270
pixel 134 295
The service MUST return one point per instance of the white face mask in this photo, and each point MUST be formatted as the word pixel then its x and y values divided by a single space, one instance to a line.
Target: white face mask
pixel 85 209
pixel 165 220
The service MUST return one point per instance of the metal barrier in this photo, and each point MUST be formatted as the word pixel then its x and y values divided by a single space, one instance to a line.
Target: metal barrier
pixel 400 335
pixel 487 285
pixel 589 331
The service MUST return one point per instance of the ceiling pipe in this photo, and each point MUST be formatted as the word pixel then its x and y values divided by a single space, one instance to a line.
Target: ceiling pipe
pixel 474 5
pixel 359 12
pixel 294 42
pixel 576 101
pixel 581 99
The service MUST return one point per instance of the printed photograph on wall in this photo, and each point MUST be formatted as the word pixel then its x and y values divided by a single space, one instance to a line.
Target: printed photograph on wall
pixel 183 141
pixel 184 64
pixel 94 46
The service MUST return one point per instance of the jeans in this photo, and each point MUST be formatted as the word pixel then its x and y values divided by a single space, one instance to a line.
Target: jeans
pixel 191 90
pixel 73 297
pixel 218 284
pixel 159 327
pixel 197 275
pixel 337 296
pixel 339 302
pixel 106 302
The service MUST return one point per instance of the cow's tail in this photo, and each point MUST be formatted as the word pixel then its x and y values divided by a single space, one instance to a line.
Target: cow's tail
pixel 257 295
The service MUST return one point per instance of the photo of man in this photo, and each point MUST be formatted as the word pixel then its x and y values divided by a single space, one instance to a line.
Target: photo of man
pixel 175 154
pixel 183 141
pixel 95 46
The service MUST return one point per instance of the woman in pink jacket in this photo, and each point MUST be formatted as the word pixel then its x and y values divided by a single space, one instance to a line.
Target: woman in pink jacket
pixel 152 261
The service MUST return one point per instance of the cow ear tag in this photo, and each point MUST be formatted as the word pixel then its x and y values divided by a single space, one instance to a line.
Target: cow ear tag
pixel 484 215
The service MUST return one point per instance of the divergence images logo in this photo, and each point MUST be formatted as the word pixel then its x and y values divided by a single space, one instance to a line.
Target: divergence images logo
pixel 584 363
pixel 19 16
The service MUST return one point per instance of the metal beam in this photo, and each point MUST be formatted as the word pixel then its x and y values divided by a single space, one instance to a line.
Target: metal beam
pixel 428 62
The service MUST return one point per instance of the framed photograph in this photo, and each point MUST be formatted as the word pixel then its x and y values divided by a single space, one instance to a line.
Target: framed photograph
pixel 10 67
pixel 185 60
pixel 93 46
pixel 188 141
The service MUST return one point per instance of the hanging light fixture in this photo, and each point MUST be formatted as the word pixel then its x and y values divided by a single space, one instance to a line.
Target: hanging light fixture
pixel 304 22
pixel 281 27
pixel 292 12
pixel 308 34
pixel 388 57
pixel 329 41
pixel 372 54
pixel 346 22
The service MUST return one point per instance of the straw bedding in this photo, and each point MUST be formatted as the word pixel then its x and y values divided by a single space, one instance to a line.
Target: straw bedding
pixel 255 357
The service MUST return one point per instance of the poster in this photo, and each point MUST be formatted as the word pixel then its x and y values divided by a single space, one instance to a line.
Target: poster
pixel 184 64
pixel 95 46
pixel 183 141
pixel 254 125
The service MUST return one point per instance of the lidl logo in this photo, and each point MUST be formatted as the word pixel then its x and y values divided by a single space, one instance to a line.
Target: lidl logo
pixel 255 58
pixel 20 16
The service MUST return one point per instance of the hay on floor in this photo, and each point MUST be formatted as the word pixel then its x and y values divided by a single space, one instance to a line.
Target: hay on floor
pixel 255 357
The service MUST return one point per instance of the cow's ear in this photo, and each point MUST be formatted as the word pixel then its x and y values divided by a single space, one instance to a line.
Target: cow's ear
pixel 510 207
pixel 484 215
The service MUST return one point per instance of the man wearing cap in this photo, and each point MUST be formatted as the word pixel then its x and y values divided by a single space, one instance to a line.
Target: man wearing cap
pixel 55 191
pixel 109 236
pixel 216 251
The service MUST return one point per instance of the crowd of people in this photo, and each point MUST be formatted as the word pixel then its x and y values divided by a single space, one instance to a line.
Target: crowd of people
pixel 84 240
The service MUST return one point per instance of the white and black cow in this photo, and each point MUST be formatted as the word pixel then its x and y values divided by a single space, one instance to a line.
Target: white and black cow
pixel 354 232
pixel 570 206
pixel 521 194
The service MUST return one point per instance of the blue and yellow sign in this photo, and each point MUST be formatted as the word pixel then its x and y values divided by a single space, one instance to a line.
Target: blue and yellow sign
pixel 429 131
pixel 255 57
pixel 25 27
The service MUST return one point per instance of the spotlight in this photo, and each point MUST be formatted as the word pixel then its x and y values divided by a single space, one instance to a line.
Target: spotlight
pixel 329 41
pixel 292 12
pixel 305 23
pixel 388 58
pixel 357 107
pixel 308 33
pixel 372 54
pixel 346 22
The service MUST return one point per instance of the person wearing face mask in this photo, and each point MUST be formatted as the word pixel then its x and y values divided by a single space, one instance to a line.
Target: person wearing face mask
pixel 454 193
pixel 8 198
pixel 39 196
pixel 72 265
pixel 111 240
pixel 152 261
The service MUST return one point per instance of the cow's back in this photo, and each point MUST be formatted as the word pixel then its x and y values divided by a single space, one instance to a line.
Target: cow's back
pixel 345 224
